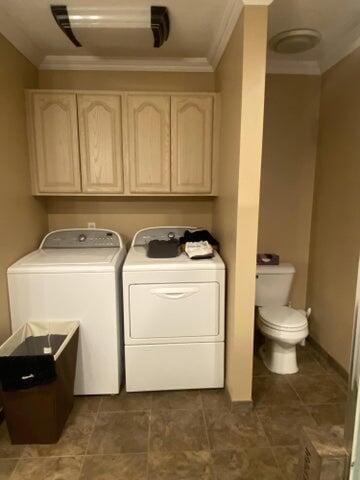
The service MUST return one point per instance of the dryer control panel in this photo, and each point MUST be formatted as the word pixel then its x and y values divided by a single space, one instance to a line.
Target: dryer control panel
pixel 82 238
pixel 144 236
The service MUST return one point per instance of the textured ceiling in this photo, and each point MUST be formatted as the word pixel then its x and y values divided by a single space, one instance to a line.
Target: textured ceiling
pixel 198 28
pixel 193 27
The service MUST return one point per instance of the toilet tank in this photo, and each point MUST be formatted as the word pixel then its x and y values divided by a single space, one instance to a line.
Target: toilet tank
pixel 273 284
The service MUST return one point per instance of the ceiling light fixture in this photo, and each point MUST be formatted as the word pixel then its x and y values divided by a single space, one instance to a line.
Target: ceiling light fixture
pixel 156 18
pixel 295 41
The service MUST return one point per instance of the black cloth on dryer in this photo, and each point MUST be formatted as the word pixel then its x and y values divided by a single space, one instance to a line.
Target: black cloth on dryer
pixel 163 248
pixel 198 236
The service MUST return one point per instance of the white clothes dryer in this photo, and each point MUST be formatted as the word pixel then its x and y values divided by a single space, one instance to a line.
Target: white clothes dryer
pixel 173 317
pixel 76 275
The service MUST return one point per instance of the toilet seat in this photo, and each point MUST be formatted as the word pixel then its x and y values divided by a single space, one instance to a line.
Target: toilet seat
pixel 282 318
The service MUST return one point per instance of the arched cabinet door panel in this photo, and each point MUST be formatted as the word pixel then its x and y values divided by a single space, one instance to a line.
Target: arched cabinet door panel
pixel 100 143
pixel 191 143
pixel 148 123
pixel 56 145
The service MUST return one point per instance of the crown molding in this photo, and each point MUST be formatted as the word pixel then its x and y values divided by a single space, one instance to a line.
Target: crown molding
pixel 227 24
pixel 23 43
pixel 293 67
pixel 87 62
pixel 13 33
pixel 313 67
pixel 338 54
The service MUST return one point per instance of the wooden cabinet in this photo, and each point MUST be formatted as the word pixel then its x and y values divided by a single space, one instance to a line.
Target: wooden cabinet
pixel 148 126
pixel 191 143
pixel 122 143
pixel 55 142
pixel 100 143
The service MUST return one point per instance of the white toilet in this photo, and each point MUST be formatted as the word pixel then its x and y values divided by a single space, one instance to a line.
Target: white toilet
pixel 283 326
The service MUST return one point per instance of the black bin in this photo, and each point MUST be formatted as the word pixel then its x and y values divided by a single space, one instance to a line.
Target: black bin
pixel 37 373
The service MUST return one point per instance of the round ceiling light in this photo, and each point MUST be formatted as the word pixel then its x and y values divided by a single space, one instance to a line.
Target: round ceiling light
pixel 295 41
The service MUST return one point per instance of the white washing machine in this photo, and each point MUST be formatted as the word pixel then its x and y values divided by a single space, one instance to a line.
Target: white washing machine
pixel 76 275
pixel 173 318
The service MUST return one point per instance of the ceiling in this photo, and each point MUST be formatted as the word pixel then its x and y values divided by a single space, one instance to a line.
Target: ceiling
pixel 199 33
pixel 338 21
pixel 197 28
pixel 191 34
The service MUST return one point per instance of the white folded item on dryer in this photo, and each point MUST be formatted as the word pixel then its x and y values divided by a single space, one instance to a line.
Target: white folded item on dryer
pixel 198 249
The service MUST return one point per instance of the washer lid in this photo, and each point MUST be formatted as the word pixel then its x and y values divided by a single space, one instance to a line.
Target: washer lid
pixel 67 260
pixel 283 318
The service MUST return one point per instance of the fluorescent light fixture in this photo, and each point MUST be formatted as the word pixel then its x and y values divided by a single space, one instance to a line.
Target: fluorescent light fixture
pixel 152 17
pixel 109 17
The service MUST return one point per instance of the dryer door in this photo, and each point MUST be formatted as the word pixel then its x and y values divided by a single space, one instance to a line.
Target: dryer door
pixel 174 310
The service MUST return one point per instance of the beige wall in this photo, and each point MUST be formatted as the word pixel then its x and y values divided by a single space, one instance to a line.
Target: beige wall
pixel 335 237
pixel 240 78
pixel 128 215
pixel 102 80
pixel 229 83
pixel 22 218
pixel 288 170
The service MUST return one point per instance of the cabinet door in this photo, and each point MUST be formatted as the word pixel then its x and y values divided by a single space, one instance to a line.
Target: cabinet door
pixel 56 142
pixel 191 143
pixel 149 143
pixel 100 143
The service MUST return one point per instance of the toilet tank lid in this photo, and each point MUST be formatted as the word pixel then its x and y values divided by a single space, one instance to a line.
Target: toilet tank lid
pixel 282 268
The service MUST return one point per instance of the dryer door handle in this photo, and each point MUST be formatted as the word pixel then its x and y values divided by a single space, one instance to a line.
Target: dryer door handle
pixel 174 293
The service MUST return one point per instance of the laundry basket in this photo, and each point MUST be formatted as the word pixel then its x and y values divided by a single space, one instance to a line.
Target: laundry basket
pixel 37 372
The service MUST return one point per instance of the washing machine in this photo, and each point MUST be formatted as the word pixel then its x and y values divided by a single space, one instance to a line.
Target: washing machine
pixel 76 275
pixel 173 317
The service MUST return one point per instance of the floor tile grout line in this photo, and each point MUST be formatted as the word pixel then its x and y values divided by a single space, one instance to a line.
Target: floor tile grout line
pixel 149 436
pixel 328 369
pixel 42 459
pixel 262 426
pixel 16 465
pixel 294 390
pixel 280 467
pixel 313 404
pixel 111 454
pixel 139 410
pixel 150 411
pixel 89 440
pixel 306 406
pixel 317 361
pixel 272 447
pixel 205 422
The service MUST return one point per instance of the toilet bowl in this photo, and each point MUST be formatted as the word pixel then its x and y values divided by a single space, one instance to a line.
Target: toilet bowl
pixel 283 328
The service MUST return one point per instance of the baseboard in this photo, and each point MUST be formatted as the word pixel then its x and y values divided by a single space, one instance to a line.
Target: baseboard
pixel 332 362
pixel 244 405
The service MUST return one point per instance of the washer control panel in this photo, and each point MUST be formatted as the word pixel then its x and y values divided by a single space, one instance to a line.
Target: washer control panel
pixel 82 238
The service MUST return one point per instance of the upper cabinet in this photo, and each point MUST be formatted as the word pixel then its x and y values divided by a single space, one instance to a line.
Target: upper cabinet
pixel 54 134
pixel 148 122
pixel 191 144
pixel 100 143
pixel 122 143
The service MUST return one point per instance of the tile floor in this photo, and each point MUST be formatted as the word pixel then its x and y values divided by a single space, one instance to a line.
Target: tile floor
pixel 188 435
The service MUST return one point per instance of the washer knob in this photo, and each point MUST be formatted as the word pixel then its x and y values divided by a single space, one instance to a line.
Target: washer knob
pixel 82 237
pixel 171 235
